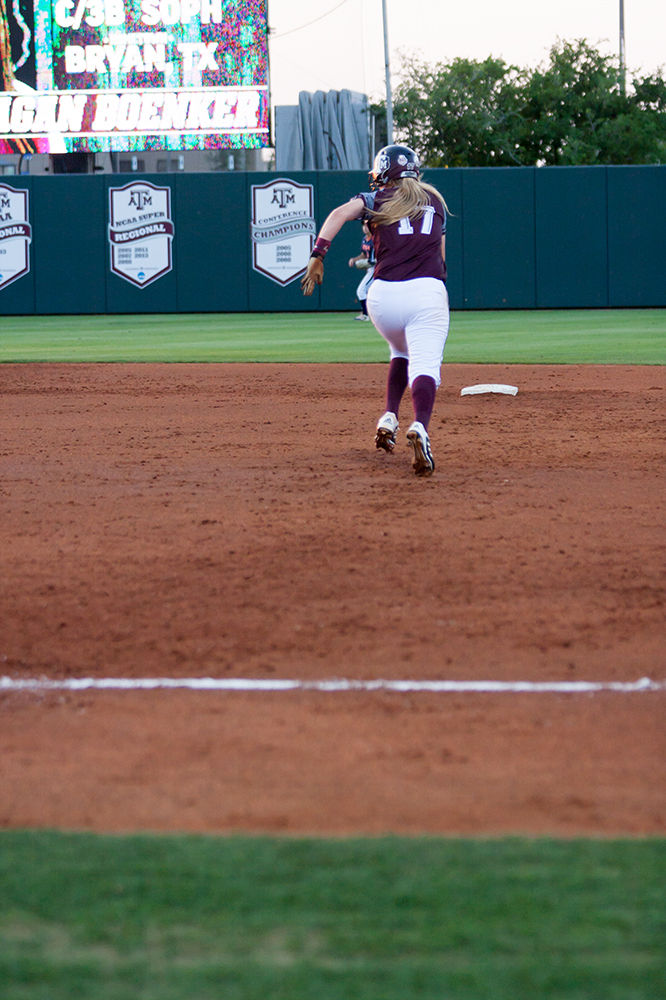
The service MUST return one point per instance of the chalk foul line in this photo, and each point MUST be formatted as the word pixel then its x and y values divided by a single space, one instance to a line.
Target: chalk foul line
pixel 333 685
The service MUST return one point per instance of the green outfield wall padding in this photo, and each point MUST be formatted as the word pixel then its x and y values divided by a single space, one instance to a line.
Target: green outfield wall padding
pixel 518 238
pixel 211 217
pixel 571 237
pixel 499 251
pixel 68 240
pixel 637 236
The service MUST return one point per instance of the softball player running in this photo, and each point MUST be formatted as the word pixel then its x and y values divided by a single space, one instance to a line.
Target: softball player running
pixel 407 300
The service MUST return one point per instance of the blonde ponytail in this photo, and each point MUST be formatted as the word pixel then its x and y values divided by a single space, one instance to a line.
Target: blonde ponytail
pixel 409 201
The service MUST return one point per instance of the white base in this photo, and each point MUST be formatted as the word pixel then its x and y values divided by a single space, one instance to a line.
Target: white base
pixel 477 390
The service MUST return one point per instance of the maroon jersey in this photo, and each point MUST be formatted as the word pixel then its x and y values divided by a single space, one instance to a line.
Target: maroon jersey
pixel 410 248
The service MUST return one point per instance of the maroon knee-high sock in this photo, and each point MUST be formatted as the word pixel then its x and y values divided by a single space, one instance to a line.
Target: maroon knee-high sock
pixel 423 398
pixel 396 384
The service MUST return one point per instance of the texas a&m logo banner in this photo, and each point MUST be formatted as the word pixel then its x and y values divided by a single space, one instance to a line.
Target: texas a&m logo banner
pixel 15 234
pixel 283 229
pixel 140 232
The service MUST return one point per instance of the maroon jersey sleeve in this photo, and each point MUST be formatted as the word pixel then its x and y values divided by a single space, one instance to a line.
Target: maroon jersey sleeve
pixel 409 248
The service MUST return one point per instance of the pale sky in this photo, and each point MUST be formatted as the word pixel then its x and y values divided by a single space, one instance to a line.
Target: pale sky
pixel 344 47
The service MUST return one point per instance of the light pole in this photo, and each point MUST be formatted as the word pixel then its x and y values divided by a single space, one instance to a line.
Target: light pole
pixel 623 68
pixel 389 98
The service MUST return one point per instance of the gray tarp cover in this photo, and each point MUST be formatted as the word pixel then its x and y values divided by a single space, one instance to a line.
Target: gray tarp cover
pixel 325 131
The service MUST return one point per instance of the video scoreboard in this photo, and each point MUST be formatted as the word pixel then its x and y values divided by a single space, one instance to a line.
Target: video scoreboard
pixel 128 75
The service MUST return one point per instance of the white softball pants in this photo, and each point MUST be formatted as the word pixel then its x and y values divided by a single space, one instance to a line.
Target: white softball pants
pixel 364 284
pixel 413 318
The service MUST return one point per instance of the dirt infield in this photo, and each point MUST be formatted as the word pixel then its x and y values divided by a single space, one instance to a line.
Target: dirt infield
pixel 236 521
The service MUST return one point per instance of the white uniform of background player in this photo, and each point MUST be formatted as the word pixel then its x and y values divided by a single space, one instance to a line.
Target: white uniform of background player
pixel 366 261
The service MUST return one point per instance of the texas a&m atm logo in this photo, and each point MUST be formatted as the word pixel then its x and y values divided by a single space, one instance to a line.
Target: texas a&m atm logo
pixel 140 232
pixel 283 229
pixel 15 234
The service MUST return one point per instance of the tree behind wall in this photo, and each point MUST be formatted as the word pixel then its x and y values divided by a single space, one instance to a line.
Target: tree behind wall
pixel 570 111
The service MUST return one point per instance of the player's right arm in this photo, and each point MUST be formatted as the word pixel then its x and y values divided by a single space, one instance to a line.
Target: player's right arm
pixel 336 219
pixel 334 222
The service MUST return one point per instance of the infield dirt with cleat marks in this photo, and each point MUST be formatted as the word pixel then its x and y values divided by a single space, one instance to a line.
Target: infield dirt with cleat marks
pixel 236 521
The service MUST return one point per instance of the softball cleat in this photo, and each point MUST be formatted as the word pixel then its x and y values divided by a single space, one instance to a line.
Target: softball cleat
pixel 423 463
pixel 387 428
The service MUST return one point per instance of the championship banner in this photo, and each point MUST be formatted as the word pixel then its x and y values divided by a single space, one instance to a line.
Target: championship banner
pixel 283 229
pixel 140 232
pixel 126 75
pixel 15 234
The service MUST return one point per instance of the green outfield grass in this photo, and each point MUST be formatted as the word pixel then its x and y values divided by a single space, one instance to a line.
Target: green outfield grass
pixel 198 918
pixel 576 336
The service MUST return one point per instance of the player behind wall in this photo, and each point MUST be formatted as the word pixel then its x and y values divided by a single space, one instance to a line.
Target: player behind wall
pixel 407 301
